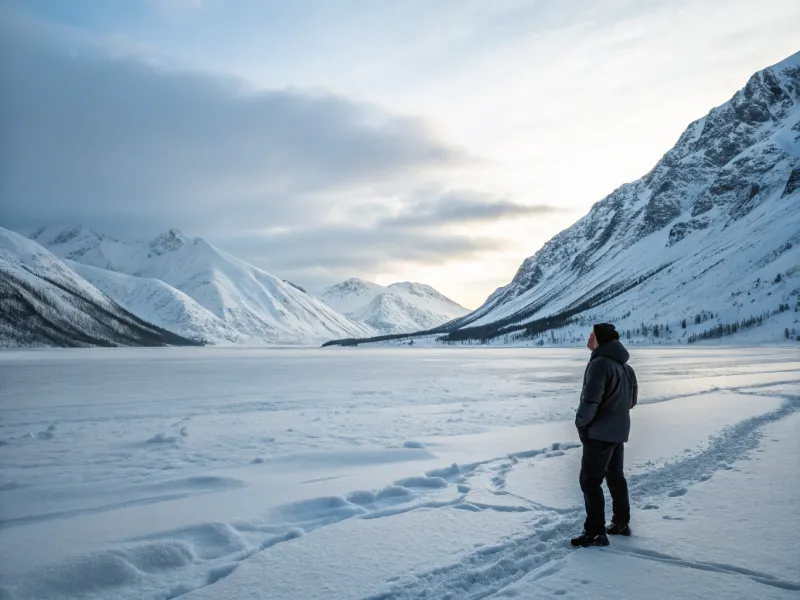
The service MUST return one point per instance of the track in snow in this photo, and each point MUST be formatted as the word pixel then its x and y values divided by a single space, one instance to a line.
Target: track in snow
pixel 483 573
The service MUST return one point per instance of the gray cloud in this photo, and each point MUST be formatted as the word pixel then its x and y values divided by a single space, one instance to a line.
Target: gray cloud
pixel 373 240
pixel 328 254
pixel 132 149
pixel 99 140
pixel 356 247
pixel 463 207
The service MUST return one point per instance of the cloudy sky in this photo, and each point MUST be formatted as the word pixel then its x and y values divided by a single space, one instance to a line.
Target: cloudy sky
pixel 440 142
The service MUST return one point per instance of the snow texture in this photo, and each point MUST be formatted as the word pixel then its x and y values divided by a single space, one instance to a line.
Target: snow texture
pixel 438 473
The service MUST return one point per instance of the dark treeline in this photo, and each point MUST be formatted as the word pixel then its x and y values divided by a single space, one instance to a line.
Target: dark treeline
pixel 725 329
pixel 458 330
pixel 533 329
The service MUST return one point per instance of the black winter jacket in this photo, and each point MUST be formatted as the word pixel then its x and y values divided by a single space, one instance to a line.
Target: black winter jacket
pixel 610 391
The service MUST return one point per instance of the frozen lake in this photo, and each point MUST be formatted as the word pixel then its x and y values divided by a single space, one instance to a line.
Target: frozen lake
pixel 354 473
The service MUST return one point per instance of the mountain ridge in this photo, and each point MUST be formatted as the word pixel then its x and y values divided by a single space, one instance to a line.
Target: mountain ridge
pixel 400 307
pixel 712 229
pixel 231 300
pixel 45 303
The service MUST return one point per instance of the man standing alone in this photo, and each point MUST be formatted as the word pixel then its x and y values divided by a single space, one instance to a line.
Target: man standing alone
pixel 609 393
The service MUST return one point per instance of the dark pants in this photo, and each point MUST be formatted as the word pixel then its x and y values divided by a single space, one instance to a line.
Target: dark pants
pixel 603 460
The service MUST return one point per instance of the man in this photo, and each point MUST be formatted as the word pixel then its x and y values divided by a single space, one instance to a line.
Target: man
pixel 609 393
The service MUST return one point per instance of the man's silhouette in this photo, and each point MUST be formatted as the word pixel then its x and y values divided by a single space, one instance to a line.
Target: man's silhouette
pixel 609 393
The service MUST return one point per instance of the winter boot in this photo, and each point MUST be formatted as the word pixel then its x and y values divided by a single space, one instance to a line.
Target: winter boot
pixel 616 529
pixel 586 540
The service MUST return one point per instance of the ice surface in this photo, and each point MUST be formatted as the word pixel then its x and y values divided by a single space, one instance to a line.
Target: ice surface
pixel 387 473
pixel 711 542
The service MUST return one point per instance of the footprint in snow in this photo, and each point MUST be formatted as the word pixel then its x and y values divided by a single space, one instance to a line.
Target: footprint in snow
pixel 413 445
pixel 678 492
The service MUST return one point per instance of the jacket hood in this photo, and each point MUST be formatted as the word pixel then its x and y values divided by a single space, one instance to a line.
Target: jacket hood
pixel 612 349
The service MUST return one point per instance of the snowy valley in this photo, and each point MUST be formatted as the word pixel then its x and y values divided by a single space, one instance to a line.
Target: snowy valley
pixel 190 288
pixel 705 246
pixel 188 285
pixel 270 405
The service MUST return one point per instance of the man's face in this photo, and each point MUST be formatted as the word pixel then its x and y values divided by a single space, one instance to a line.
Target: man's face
pixel 592 343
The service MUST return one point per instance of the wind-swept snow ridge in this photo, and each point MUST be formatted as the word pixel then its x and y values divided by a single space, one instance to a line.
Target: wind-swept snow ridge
pixel 713 229
pixel 398 308
pixel 45 303
pixel 232 299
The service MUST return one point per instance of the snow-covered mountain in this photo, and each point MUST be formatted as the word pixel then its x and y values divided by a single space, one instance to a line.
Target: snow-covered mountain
pixel 398 308
pixel 713 229
pixel 188 285
pixel 159 303
pixel 43 302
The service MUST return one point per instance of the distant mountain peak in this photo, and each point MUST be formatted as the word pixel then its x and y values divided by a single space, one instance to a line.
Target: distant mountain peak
pixel 63 235
pixel 354 285
pixel 168 241
pixel 418 289
pixel 355 282
pixel 400 307
pixel 186 283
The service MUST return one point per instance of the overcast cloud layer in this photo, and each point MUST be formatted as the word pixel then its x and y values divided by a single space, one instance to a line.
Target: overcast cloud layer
pixel 133 148
pixel 322 140
pixel 94 138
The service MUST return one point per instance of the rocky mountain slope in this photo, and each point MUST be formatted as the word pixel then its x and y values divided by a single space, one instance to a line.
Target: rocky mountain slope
pixel 713 229
pixel 188 285
pixel 45 303
pixel 398 308
pixel 705 245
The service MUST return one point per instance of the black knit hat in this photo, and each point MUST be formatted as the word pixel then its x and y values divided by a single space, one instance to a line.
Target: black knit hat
pixel 605 332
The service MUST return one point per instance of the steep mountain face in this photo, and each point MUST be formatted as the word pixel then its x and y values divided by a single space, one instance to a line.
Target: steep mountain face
pixel 213 294
pixel 710 228
pixel 398 308
pixel 45 303
pixel 160 304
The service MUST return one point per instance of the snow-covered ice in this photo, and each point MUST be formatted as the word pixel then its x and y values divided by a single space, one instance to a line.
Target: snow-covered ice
pixel 388 473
